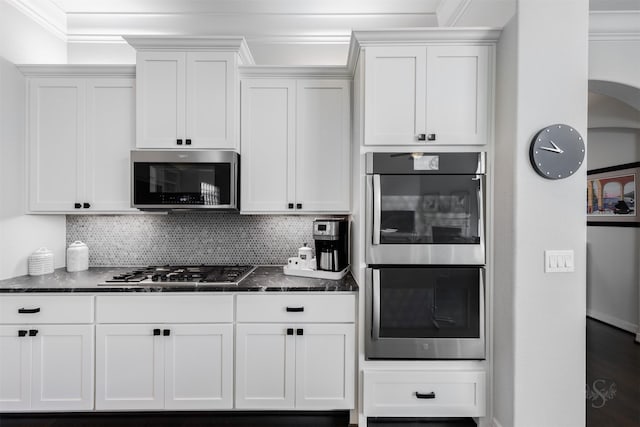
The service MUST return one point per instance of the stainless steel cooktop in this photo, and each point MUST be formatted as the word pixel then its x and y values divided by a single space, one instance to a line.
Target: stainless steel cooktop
pixel 182 275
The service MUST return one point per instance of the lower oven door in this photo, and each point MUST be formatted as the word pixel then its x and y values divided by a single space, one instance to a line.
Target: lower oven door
pixel 425 313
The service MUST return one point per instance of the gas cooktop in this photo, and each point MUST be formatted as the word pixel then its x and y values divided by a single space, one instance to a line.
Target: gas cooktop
pixel 182 275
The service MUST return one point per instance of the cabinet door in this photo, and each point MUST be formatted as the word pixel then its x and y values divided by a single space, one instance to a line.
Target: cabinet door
pixel 56 142
pixel 211 91
pixel 268 132
pixel 15 369
pixel 458 104
pixel 325 372
pixel 160 96
pixel 394 95
pixel 265 367
pixel 323 137
pixel 110 138
pixel 199 367
pixel 62 367
pixel 129 367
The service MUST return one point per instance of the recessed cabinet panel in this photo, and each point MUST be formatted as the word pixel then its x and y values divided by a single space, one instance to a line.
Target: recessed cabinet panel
pixel 15 369
pixel 457 94
pixel 160 107
pixel 56 138
pixel 267 143
pixel 110 137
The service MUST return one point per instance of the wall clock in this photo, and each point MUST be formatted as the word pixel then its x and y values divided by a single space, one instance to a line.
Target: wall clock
pixel 557 151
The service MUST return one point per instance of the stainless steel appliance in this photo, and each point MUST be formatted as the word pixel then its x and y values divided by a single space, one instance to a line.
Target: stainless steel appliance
pixel 332 243
pixel 423 312
pixel 174 179
pixel 182 275
pixel 425 208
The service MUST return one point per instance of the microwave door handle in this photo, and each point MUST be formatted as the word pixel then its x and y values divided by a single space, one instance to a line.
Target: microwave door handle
pixel 376 209
pixel 375 324
pixel 480 179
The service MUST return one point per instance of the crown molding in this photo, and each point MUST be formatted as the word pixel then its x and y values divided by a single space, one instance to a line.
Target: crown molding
pixel 418 36
pixel 45 14
pixel 74 70
pixel 449 12
pixel 614 25
pixel 311 72
pixel 193 43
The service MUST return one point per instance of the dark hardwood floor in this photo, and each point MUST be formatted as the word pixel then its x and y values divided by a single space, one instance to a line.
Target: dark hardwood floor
pixel 613 377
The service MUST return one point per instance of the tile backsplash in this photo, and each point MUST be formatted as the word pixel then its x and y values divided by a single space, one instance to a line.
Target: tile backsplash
pixel 189 238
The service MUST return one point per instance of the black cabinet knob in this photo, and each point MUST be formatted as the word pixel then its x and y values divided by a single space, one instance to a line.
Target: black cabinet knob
pixel 156 332
pixel 431 137
pixel 188 142
pixel 289 331
pixel 299 206
pixel 422 137
pixel 86 205
pixel 33 332
pixel 299 332
pixel 23 333
pixel 179 141
pixel 77 205
pixel 166 332
pixel 290 205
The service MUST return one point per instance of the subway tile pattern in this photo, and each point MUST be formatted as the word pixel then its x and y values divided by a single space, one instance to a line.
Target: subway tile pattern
pixel 189 238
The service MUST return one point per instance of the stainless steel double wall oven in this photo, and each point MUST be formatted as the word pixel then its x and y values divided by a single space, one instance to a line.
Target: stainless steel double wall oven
pixel 425 250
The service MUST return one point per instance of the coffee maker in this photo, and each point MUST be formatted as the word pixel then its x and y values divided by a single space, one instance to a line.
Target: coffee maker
pixel 332 243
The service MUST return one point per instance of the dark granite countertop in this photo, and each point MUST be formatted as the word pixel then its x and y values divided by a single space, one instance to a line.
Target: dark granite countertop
pixel 262 279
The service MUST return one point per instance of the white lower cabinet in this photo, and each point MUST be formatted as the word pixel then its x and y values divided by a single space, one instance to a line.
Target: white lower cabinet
pixel 295 365
pixel 46 367
pixel 171 363
pixel 424 393
pixel 160 366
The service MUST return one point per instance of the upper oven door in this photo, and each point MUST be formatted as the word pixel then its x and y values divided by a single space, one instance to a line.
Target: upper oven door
pixel 184 179
pixel 425 219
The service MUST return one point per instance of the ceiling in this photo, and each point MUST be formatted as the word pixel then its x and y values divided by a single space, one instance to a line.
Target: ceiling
pixel 316 26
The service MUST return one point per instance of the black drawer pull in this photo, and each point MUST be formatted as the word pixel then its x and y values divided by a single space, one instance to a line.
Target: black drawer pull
pixel 289 331
pixel 33 332
pixel 29 310
pixel 77 205
pixel 187 141
pixel 299 331
pixel 431 137
pixel 295 309
pixel 22 333
pixel 179 141
pixel 299 206
pixel 290 205
pixel 166 332
pixel 431 395
pixel 422 137
pixel 86 205
pixel 156 332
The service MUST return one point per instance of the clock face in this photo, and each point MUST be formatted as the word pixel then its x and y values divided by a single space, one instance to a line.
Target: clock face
pixel 557 151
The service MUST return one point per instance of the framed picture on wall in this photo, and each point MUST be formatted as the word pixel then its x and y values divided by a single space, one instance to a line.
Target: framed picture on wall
pixel 611 196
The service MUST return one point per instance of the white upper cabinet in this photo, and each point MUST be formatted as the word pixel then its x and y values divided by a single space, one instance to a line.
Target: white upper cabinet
pixel 80 130
pixel 427 95
pixel 295 145
pixel 187 100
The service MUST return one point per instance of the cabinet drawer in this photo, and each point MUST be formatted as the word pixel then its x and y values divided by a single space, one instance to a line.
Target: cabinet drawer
pixel 32 309
pixel 424 394
pixel 296 308
pixel 164 309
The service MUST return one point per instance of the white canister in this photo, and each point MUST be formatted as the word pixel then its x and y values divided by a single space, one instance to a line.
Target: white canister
pixel 40 262
pixel 305 255
pixel 77 257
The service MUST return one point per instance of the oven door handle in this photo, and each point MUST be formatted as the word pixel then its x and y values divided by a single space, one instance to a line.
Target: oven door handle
pixel 376 208
pixel 375 295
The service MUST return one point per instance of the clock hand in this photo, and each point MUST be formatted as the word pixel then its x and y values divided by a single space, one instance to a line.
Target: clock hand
pixel 558 149
pixel 553 150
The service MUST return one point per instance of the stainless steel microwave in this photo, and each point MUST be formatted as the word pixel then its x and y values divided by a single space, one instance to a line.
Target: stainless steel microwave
pixel 186 180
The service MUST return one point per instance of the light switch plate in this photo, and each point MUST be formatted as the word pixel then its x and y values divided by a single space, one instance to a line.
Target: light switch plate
pixel 558 261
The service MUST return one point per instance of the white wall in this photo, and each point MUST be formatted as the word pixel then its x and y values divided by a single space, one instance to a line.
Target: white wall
pixel 101 53
pixel 615 61
pixel 22 41
pixel 542 380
